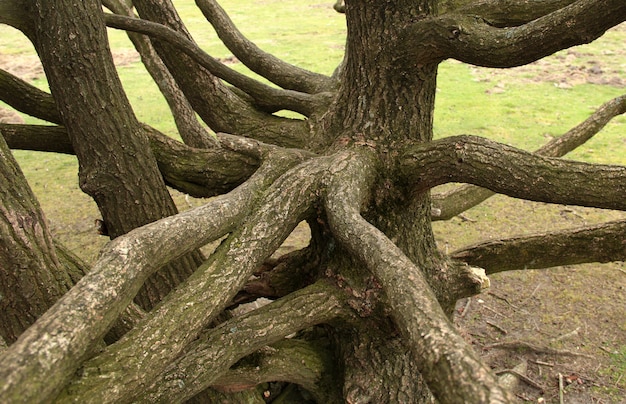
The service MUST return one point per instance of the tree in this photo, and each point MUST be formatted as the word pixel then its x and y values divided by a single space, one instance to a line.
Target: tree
pixel 369 299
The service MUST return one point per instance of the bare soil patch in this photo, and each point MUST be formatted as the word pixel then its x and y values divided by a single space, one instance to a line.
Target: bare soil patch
pixel 567 68
pixel 28 67
pixel 568 321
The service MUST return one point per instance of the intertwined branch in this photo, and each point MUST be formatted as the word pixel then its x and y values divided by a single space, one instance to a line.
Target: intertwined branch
pixel 472 39
pixel 265 189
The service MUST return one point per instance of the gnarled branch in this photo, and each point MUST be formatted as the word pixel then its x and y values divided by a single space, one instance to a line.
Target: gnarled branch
pixel 197 172
pixel 190 130
pixel 27 98
pixel 514 172
pixel 268 98
pixel 46 356
pixel 449 204
pixel 217 105
pixel 272 68
pixel 305 363
pixel 473 40
pixel 605 242
pixel 503 13
pixel 451 369
pixel 205 294
pixel 211 355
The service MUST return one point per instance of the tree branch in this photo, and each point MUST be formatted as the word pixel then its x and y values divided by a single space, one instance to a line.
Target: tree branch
pixel 290 360
pixel 27 98
pixel 200 172
pixel 451 369
pixel 217 105
pixel 272 68
pixel 160 336
pixel 214 353
pixel 503 13
pixel 600 243
pixel 473 40
pixel 197 172
pixel 37 137
pixel 517 173
pixel 449 204
pixel 13 13
pixel 48 353
pixel 190 130
pixel 268 98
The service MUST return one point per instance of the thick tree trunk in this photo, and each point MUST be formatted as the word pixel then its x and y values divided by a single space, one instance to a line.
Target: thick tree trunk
pixel 32 276
pixel 117 167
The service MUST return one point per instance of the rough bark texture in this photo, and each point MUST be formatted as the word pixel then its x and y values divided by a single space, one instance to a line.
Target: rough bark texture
pixel 116 166
pixel 605 242
pixel 363 312
pixel 32 277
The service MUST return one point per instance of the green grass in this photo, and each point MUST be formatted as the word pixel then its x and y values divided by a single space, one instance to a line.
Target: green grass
pixel 521 111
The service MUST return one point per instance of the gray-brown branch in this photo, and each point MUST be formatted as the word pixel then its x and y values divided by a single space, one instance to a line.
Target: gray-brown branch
pixel 605 242
pixel 449 204
pixel 514 172
pixel 27 98
pixel 48 353
pixel 160 336
pixel 197 172
pixel 277 71
pixel 503 13
pixel 214 353
pixel 452 370
pixel 219 107
pixel 471 39
pixel 306 363
pixel 190 130
pixel 266 97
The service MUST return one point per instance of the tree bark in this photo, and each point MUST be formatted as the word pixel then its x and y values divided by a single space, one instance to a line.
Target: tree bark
pixel 32 276
pixel 128 188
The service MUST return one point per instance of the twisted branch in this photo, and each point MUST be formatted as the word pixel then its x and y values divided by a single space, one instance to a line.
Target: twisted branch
pixel 272 68
pixel 48 353
pixel 266 97
pixel 449 204
pixel 514 172
pixel 214 353
pixel 204 295
pixel 471 39
pixel 190 130
pixel 418 315
pixel 605 242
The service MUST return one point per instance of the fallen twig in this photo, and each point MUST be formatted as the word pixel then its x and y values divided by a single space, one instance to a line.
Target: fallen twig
pixel 532 294
pixel 526 379
pixel 560 388
pixel 497 327
pixel 542 363
pixel 534 348
pixel 466 307
pixel 605 350
pixel 569 334
pixel 503 299
pixel 494 311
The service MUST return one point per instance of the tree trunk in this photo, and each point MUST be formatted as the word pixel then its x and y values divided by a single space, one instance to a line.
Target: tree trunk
pixel 117 167
pixel 32 276
pixel 381 110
